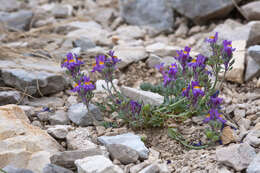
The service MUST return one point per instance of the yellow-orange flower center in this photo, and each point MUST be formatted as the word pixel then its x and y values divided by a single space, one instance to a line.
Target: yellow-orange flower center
pixel 212 37
pixel 88 83
pixel 229 45
pixel 221 116
pixel 208 115
pixel 194 60
pixel 185 52
pixel 75 85
pixel 173 66
pixel 72 60
pixel 183 89
pixel 197 87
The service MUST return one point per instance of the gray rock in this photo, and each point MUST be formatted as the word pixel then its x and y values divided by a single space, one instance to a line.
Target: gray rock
pixel 128 139
pixel 51 168
pixel 11 169
pixel 97 164
pixel 162 49
pixel 79 114
pixel 59 117
pixel 10 5
pixel 154 60
pixel 84 43
pixel 254 166
pixel 43 116
pixel 150 169
pixel 146 97
pixel 9 97
pixel 252 10
pixel 66 159
pixel 58 131
pixel 253 138
pixel 123 153
pixel 254 52
pixel 237 156
pixel 129 54
pixel 46 102
pixel 33 75
pixel 231 29
pixel 130 32
pixel 252 69
pixel 154 13
pixel 200 11
pixel 79 139
pixel 18 20
pixel 62 11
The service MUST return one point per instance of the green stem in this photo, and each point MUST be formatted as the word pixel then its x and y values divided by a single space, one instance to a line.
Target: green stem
pixel 174 134
pixel 170 106
pixel 222 80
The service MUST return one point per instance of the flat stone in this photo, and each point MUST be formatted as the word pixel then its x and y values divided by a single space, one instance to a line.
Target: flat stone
pixel 201 11
pixel 252 69
pixel 66 159
pixel 23 145
pixel 124 154
pixel 9 97
pixel 129 32
pixel 254 166
pixel 129 54
pixel 58 131
pixel 60 117
pixel 19 20
pixel 146 97
pixel 46 102
pixel 79 139
pixel 33 75
pixel 254 52
pixel 11 169
pixel 253 138
pixel 153 13
pixel 237 156
pixel 162 49
pixel 138 167
pixel 237 72
pixel 128 139
pixel 252 10
pixel 150 169
pixel 10 5
pixel 84 43
pixel 154 60
pixel 227 135
pixel 51 168
pixel 62 10
pixel 97 164
pixel 79 114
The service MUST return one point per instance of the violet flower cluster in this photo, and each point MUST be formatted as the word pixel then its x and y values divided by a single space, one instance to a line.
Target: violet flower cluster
pixel 82 84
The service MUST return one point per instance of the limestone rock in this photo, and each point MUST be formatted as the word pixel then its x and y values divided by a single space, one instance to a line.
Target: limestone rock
pixel 9 97
pixel 254 166
pixel 21 144
pixel 162 50
pixel 227 135
pixel 254 52
pixel 253 138
pixel 237 156
pixel 252 69
pixel 128 139
pixel 58 131
pixel 252 10
pixel 145 96
pixel 51 168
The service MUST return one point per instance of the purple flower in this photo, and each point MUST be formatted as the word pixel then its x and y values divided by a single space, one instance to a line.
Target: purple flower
pixel 228 48
pixel 100 63
pixel 214 115
pixel 114 58
pixel 186 91
pixel 213 39
pixel 84 84
pixel 72 63
pixel 196 89
pixel 173 71
pixel 135 107
pixel 183 57
pixel 77 87
pixel 160 67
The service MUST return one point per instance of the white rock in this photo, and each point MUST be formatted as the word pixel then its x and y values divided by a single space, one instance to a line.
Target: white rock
pixel 130 32
pixel 59 131
pixel 254 166
pixel 129 54
pixel 102 83
pixel 237 73
pixel 252 10
pixel 97 164
pixel 253 138
pixel 162 49
pixel 145 96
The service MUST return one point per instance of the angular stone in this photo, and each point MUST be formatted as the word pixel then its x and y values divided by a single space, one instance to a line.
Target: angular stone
pixel 84 43
pixel 33 75
pixel 10 5
pixel 146 97
pixel 97 164
pixel 201 11
pixel 252 10
pixel 66 159
pixel 58 131
pixel 46 102
pixel 153 13
pixel 11 169
pixel 128 139
pixel 79 114
pixel 9 97
pixel 237 156
pixel 79 139
pixel 51 168
pixel 19 20
pixel 254 166
pixel 150 169
pixel 253 138
pixel 162 50
pixel 154 60
pixel 60 117
pixel 227 135
pixel 21 144
pixel 252 69
pixel 237 72
pixel 123 153
pixel 129 54
pixel 254 52
pixel 62 10
pixel 130 32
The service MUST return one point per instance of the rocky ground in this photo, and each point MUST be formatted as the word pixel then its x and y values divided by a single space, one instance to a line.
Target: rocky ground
pixel 46 129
